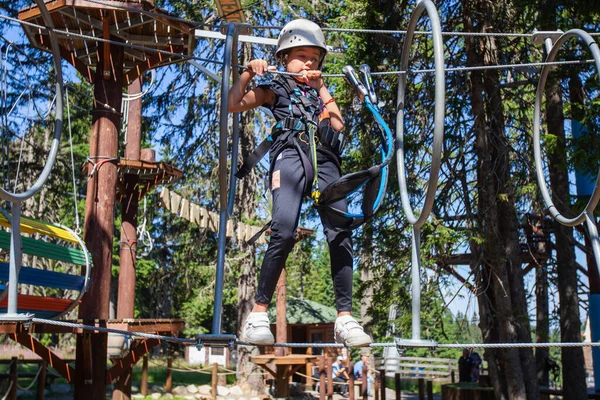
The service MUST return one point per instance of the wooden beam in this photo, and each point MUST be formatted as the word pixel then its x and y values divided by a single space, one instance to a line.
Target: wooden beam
pixel 151 63
pixel 34 11
pixel 138 20
pixel 79 65
pixel 124 365
pixel 81 17
pixel 28 341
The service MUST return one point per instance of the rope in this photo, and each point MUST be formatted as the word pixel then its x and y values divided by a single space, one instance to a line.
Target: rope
pixel 33 382
pixel 96 166
pixel 110 330
pixel 8 391
pixel 205 371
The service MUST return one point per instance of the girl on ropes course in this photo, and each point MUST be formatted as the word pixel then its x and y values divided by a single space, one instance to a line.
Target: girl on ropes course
pixel 304 110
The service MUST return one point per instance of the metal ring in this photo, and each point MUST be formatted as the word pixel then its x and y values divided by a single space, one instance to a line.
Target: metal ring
pixel 593 202
pixel 439 112
pixel 58 115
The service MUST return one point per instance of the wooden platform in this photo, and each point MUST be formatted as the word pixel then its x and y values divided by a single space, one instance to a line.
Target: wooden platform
pixel 285 367
pixel 121 368
pixel 135 22
pixel 150 174
pixel 156 326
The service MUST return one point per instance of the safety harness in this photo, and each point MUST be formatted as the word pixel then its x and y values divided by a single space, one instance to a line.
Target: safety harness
pixel 372 181
pixel 303 133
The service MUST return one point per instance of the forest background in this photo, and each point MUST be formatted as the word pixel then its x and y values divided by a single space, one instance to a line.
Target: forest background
pixel 486 205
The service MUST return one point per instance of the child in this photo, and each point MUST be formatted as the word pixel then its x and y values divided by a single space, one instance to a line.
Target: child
pixel 298 104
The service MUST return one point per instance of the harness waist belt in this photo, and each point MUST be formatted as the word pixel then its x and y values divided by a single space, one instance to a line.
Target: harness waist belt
pixel 327 137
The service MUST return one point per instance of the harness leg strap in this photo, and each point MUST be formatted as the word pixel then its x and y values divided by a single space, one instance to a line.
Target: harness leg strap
pixel 254 158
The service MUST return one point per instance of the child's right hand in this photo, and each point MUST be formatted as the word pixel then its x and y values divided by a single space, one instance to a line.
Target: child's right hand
pixel 258 67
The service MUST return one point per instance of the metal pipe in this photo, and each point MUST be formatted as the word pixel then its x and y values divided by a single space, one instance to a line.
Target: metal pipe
pixel 537 151
pixel 58 117
pixel 235 136
pixel 222 242
pixel 416 283
pixel 15 259
pixel 436 155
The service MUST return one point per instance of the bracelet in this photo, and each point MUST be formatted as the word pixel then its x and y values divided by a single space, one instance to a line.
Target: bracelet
pixel 331 100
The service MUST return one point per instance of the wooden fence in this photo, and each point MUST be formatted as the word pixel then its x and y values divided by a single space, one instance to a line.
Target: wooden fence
pixel 441 370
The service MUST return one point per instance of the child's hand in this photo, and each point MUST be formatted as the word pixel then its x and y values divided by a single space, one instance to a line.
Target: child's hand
pixel 258 67
pixel 313 78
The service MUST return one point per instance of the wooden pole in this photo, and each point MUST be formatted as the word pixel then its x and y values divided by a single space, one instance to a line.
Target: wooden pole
pixel 365 382
pixel 351 380
pixel 329 379
pixel 169 382
pixel 281 307
pixel 14 376
pixel 99 220
pixel 214 379
pixel 397 384
pixel 376 388
pixel 429 390
pixel 41 381
pixel 382 383
pixel 322 374
pixel 144 384
pixel 421 389
pixel 128 243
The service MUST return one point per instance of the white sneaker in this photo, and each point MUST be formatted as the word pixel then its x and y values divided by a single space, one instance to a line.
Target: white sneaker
pixel 256 330
pixel 348 332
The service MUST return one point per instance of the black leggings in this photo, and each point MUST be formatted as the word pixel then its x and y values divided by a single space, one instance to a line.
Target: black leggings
pixel 287 201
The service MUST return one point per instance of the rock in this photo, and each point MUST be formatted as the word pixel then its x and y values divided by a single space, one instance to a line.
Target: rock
pixel 156 396
pixel 61 388
pixel 167 396
pixel 254 398
pixel 236 391
pixel 180 391
pixel 203 397
pixel 138 396
pixel 156 388
pixel 205 390
pixel 222 391
pixel 192 389
pixel 134 389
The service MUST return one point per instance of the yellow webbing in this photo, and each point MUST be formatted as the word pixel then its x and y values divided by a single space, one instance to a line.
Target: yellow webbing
pixel 31 226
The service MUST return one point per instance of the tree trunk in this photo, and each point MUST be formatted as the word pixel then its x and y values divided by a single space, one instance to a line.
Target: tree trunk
pixel 573 371
pixel 249 375
pixel 502 306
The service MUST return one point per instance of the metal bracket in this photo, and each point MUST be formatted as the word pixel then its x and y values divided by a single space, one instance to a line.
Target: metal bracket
pixel 401 344
pixel 210 340
pixel 243 29
pixel 23 318
pixel 546 38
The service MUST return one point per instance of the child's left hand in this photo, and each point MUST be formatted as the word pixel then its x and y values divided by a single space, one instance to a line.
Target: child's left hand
pixel 313 79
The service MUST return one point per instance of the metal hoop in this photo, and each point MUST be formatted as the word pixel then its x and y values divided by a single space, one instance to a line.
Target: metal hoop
pixel 439 112
pixel 593 202
pixel 58 113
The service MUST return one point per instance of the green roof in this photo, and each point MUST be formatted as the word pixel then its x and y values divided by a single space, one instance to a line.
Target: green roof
pixel 305 312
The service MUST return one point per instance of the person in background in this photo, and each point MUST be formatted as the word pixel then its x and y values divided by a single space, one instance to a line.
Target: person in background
pixel 358 372
pixel 340 374
pixel 476 371
pixel 465 367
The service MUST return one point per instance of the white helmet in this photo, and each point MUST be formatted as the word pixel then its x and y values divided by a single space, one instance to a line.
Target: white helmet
pixel 299 33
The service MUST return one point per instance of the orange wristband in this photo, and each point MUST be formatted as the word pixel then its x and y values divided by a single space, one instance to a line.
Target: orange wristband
pixel 331 100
